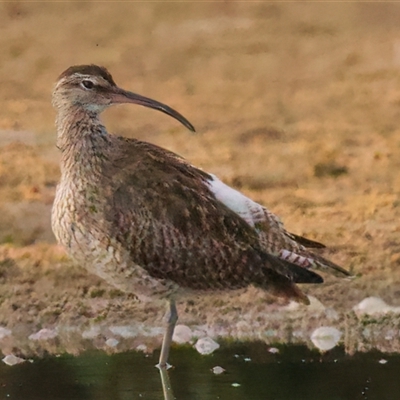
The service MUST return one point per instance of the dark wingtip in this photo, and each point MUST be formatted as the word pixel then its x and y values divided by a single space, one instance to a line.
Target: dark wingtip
pixel 292 271
pixel 309 277
pixel 307 242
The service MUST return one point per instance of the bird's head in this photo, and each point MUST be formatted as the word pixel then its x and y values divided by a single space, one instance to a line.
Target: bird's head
pixel 93 88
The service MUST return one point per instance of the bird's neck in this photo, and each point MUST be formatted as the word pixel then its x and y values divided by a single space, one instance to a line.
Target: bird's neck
pixel 81 138
pixel 74 124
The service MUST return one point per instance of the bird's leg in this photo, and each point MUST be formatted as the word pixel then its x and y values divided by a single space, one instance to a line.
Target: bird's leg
pixel 166 384
pixel 171 322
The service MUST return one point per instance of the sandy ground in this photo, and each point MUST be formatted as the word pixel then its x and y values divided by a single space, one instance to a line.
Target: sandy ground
pixel 297 105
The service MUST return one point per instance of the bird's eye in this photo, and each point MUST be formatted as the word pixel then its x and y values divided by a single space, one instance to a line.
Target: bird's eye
pixel 87 84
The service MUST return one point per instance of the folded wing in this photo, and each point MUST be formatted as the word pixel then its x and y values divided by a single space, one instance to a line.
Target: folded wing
pixel 275 239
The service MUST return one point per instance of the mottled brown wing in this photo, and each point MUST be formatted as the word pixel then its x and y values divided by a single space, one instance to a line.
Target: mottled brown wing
pixel 164 213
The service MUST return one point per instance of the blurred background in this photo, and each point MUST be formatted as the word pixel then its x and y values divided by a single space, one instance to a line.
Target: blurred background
pixel 296 105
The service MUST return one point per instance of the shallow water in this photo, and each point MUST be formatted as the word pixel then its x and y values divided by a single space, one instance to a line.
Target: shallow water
pixel 252 373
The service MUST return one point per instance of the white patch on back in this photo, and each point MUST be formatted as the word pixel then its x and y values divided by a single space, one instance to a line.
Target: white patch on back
pixel 246 208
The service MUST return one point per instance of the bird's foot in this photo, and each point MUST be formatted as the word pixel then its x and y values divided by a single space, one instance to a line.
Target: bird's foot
pixel 164 366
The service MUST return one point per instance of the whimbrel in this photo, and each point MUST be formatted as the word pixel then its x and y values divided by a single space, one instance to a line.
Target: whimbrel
pixel 152 224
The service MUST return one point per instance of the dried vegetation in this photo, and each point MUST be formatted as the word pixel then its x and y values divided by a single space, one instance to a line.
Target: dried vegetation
pixel 298 105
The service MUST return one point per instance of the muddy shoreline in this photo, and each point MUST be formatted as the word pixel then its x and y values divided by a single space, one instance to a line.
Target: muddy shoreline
pixel 296 105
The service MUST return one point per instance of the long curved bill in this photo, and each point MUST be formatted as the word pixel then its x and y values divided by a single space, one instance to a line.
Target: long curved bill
pixel 120 96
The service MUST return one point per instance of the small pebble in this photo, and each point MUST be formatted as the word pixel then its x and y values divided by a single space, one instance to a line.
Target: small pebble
pixel 182 334
pixel 273 350
pixel 43 334
pixel 142 348
pixel 124 331
pixel 91 333
pixel 12 360
pixel 218 370
pixel 235 384
pixel 325 338
pixel 206 345
pixel 247 359
pixel 112 342
pixel 374 306
pixel 4 332
pixel 383 361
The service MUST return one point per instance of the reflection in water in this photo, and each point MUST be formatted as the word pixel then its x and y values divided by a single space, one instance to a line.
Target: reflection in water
pixel 166 384
pixel 293 373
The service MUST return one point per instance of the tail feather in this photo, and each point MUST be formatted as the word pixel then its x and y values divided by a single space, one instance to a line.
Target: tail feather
pixel 308 259
pixel 294 273
pixel 280 278
pixel 321 263
pixel 274 239
pixel 312 244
